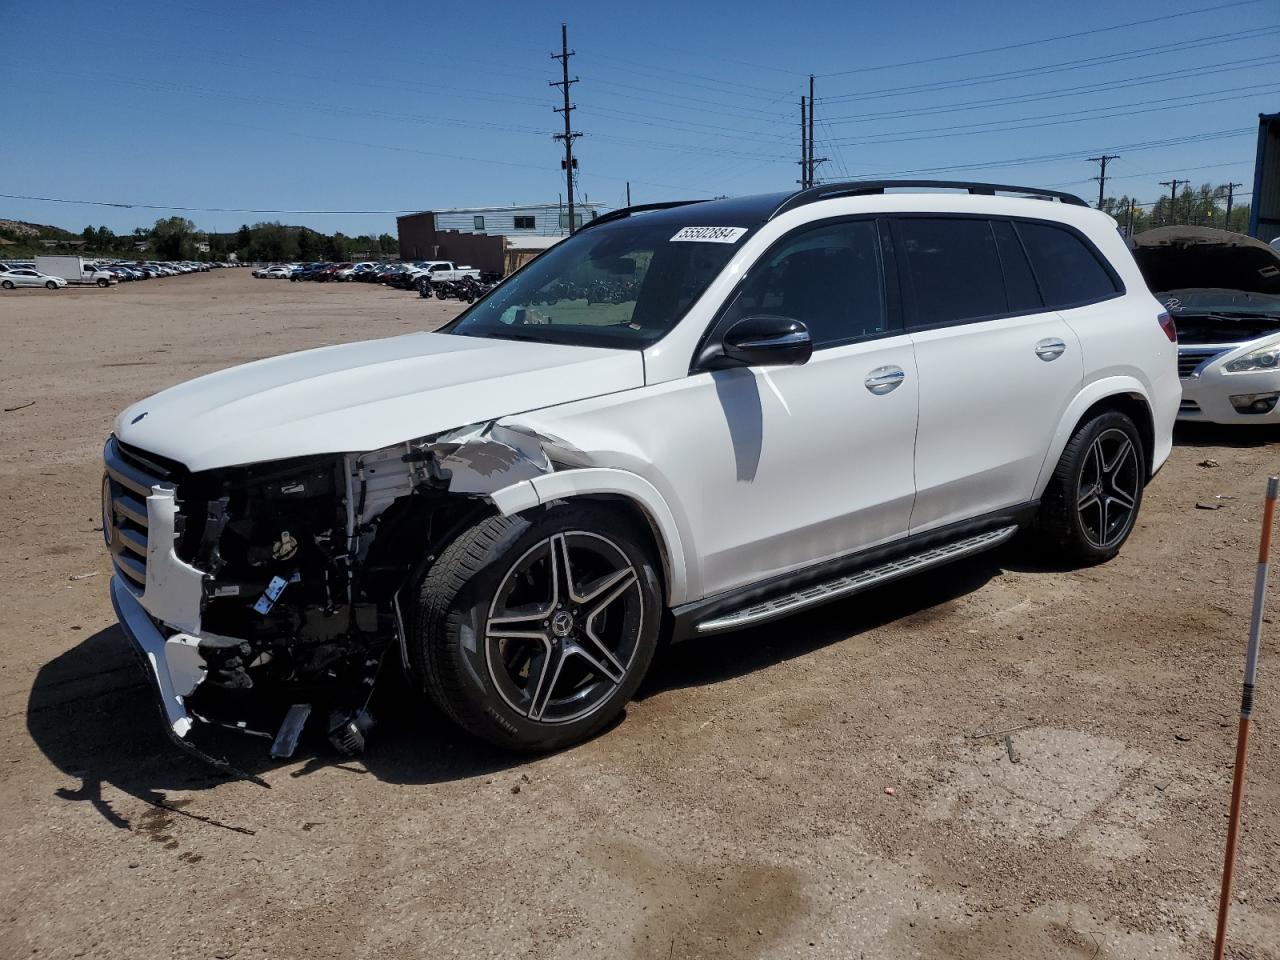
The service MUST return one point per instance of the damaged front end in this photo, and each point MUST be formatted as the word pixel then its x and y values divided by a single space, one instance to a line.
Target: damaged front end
pixel 265 594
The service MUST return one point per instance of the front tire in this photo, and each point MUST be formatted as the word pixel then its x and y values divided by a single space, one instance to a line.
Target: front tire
pixel 104 283
pixel 1091 503
pixel 51 285
pixel 533 631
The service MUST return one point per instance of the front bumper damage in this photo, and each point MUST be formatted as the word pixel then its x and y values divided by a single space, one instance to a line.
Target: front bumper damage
pixel 235 587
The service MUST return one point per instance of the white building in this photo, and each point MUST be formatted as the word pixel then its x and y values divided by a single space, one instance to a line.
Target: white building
pixel 531 219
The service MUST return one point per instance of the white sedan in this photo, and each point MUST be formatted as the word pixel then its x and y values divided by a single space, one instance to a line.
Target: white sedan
pixel 26 277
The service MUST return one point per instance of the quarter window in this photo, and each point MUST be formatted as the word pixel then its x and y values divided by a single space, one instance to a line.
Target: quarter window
pixel 1019 281
pixel 953 268
pixel 829 278
pixel 1069 272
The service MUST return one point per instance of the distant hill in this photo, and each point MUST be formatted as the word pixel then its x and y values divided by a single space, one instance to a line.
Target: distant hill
pixel 21 230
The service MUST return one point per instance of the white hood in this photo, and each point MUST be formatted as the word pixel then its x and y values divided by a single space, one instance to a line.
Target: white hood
pixel 363 396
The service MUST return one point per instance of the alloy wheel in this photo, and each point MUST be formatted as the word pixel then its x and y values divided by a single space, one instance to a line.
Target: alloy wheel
pixel 1110 482
pixel 564 627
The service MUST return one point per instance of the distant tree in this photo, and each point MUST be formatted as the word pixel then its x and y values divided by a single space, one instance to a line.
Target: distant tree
pixel 308 244
pixel 388 244
pixel 173 238
pixel 337 247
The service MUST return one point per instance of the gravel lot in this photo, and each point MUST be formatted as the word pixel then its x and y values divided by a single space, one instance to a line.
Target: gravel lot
pixel 739 810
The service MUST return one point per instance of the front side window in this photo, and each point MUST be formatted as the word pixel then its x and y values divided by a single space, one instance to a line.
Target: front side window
pixel 623 284
pixel 828 277
pixel 953 269
pixel 1069 272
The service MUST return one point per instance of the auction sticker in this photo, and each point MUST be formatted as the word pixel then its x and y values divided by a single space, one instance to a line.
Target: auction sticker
pixel 710 234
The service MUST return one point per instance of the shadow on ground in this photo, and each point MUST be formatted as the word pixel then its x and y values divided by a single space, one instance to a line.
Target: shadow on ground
pixel 92 711
pixel 1225 435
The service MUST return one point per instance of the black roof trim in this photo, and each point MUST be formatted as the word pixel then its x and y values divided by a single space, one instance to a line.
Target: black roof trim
pixel 829 191
pixel 624 212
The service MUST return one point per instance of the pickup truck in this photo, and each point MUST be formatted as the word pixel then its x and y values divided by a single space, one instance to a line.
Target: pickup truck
pixel 440 270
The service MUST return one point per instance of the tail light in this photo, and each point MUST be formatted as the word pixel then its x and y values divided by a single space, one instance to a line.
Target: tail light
pixel 1168 326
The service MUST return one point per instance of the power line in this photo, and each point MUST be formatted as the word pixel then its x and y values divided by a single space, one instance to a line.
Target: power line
pixel 1070 154
pixel 1001 126
pixel 1042 40
pixel 161 206
pixel 1138 53
pixel 1074 91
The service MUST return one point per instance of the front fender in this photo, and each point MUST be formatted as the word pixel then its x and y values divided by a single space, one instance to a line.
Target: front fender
pixel 682 582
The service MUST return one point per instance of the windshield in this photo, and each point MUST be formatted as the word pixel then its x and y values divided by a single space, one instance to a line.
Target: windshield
pixel 1219 301
pixel 623 284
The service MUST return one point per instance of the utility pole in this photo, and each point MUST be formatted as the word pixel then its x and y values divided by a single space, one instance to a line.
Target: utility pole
pixel 813 161
pixel 804 145
pixel 812 110
pixel 1231 191
pixel 1102 173
pixel 628 193
pixel 569 134
pixel 1173 196
pixel 1133 204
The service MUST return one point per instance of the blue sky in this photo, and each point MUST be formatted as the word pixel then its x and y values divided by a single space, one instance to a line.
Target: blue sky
pixel 391 107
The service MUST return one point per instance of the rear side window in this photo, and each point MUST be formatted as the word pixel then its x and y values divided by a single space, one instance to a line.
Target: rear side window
pixel 1019 281
pixel 953 268
pixel 828 277
pixel 1069 270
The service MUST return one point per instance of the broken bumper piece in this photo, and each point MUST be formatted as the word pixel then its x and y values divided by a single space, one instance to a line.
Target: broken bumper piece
pixel 173 662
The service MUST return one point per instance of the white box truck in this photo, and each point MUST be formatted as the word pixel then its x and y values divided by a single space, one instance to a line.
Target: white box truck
pixel 75 270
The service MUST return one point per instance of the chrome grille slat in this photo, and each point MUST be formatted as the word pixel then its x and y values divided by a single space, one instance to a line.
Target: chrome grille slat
pixel 132 478
pixel 133 569
pixel 132 540
pixel 1190 359
pixel 133 509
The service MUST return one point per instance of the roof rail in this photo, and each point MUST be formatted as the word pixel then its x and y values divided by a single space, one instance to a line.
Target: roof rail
pixel 828 191
pixel 623 212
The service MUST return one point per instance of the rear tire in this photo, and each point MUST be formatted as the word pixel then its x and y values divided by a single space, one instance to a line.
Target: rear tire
pixel 7 284
pixel 533 631
pixel 1092 501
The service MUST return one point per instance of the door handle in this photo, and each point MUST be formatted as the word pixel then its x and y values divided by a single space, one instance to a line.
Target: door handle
pixel 884 380
pixel 1050 348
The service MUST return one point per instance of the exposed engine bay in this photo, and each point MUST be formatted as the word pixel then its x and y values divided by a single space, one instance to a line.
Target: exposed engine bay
pixel 303 562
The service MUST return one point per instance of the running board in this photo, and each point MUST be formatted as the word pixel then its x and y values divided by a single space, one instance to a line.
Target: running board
pixel 856 582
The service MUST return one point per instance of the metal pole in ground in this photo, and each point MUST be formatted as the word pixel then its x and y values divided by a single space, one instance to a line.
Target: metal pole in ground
pixel 1246 710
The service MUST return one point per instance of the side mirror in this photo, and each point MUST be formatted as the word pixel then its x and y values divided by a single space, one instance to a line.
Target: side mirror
pixel 761 341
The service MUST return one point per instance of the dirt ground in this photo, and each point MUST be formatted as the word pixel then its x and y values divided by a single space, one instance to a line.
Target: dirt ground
pixel 740 808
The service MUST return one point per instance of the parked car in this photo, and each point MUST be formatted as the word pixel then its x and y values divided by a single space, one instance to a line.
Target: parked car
pixel 1223 291
pixel 274 273
pixel 27 277
pixel 808 395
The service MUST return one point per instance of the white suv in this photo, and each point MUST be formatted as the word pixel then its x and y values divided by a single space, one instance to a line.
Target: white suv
pixel 686 418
